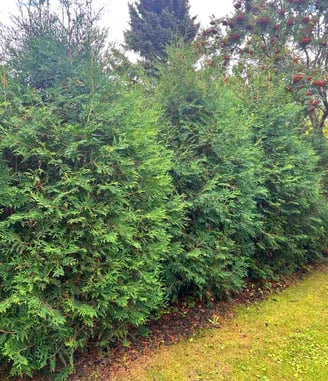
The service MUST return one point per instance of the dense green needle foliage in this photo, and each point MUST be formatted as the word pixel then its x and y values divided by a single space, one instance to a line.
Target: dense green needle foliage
pixel 293 210
pixel 83 225
pixel 252 183
pixel 85 209
pixel 156 24
pixel 216 169
pixel 120 193
pixel 48 51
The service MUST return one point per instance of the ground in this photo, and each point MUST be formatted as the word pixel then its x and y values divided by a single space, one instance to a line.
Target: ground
pixel 191 323
pixel 196 337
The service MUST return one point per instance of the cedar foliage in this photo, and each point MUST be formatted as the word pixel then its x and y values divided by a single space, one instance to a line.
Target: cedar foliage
pixel 215 170
pixel 118 197
pixel 83 225
pixel 293 210
pixel 48 50
pixel 84 216
pixel 253 187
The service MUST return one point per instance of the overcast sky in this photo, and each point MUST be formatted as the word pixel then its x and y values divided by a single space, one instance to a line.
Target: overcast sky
pixel 116 14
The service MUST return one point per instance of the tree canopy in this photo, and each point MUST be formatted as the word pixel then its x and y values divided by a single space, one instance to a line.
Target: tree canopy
pixel 288 37
pixel 155 24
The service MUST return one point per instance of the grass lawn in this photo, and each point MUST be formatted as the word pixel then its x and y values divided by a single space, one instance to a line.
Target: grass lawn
pixel 284 338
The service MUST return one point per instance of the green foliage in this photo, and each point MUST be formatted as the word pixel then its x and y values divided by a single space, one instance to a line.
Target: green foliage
pixel 251 180
pixel 117 196
pixel 294 211
pixel 85 206
pixel 288 37
pixel 155 24
pixel 47 49
pixel 83 224
pixel 215 169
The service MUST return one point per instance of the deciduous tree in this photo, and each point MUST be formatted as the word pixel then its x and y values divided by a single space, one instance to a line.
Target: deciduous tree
pixel 288 37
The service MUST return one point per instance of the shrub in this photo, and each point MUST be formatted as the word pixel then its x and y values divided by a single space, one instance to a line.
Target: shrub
pixel 294 210
pixel 83 225
pixel 215 166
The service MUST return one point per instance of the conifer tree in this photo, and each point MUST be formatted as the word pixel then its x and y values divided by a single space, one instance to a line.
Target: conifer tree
pixel 46 48
pixel 84 190
pixel 155 24
pixel 215 170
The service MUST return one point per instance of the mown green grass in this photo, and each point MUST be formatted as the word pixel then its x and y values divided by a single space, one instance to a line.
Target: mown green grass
pixel 284 338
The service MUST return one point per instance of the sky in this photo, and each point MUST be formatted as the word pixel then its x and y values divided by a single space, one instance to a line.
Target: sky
pixel 116 15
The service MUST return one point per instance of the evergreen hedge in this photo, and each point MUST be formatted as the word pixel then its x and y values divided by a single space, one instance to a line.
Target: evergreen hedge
pixel 83 224
pixel 294 208
pixel 118 198
pixel 216 169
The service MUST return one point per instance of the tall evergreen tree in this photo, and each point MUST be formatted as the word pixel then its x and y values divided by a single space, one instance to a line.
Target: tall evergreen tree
pixel 83 184
pixel 215 171
pixel 46 49
pixel 155 24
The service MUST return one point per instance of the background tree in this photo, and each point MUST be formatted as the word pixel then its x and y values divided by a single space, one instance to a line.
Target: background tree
pixel 155 24
pixel 48 49
pixel 286 37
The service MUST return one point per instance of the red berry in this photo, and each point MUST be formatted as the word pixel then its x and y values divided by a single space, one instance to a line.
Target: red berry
pixel 298 77
pixel 306 40
pixel 237 5
pixel 305 19
pixel 319 82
